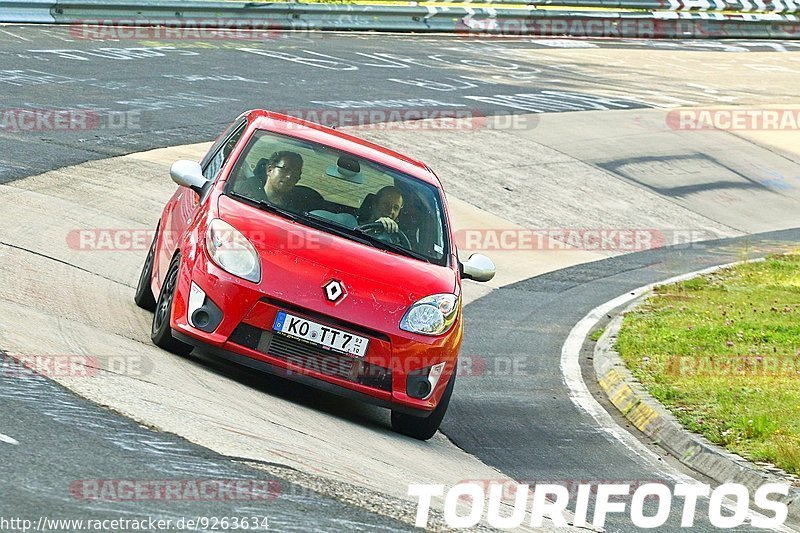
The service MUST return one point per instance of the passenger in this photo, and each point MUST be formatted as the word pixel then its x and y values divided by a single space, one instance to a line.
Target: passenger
pixel 275 181
pixel 283 173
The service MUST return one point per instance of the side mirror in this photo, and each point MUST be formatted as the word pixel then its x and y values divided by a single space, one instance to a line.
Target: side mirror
pixel 478 268
pixel 188 174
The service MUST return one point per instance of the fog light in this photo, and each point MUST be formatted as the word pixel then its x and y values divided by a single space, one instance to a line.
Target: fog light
pixel 202 314
pixel 200 318
pixel 420 383
pixel 418 387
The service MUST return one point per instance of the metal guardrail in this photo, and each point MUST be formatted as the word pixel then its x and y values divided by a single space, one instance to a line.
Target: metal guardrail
pixel 465 21
pixel 37 11
pixel 740 6
pixel 744 6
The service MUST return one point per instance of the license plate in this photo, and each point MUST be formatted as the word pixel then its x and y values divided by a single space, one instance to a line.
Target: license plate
pixel 332 338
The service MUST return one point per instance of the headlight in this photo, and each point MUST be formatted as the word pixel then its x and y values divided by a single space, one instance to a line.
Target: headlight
pixel 232 252
pixel 433 315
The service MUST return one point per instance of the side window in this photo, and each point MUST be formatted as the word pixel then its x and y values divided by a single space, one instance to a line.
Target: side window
pixel 219 153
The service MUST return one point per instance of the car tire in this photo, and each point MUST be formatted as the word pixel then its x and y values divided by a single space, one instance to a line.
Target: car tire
pixel 144 297
pixel 161 332
pixel 425 428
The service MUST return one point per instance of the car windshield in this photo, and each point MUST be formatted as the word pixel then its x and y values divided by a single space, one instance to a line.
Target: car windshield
pixel 343 194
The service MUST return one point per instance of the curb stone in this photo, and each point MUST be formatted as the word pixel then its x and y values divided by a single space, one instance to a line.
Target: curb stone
pixel 653 419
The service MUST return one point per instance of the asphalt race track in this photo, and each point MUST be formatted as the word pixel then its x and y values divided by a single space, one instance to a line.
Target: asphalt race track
pixel 93 443
pixel 589 149
pixel 162 80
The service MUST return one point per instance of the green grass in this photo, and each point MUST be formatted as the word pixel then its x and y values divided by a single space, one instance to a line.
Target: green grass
pixel 596 334
pixel 722 352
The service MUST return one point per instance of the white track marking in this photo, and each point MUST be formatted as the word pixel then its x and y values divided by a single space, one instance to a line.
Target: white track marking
pixel 571 370
pixel 583 399
pixel 8 440
pixel 57 36
pixel 15 35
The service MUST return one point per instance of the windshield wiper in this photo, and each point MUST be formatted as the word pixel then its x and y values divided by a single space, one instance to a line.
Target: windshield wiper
pixel 326 221
pixel 267 206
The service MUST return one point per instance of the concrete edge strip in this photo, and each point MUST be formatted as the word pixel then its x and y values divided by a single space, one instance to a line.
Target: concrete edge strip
pixel 583 399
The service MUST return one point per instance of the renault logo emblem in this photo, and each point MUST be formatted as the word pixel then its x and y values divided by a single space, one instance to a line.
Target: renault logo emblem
pixel 334 291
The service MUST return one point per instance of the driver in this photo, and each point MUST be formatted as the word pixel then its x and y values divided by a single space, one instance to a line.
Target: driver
pixel 386 208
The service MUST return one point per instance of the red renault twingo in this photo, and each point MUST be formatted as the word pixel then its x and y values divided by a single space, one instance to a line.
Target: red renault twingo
pixel 312 254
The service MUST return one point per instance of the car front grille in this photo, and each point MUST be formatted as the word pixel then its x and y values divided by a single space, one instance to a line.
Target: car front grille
pixel 311 357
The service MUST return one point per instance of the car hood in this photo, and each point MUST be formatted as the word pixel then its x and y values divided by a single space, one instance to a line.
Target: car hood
pixel 298 260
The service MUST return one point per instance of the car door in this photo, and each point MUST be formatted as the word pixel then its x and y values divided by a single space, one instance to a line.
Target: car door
pixel 185 203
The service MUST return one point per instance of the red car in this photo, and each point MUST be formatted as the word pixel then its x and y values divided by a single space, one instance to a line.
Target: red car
pixel 312 254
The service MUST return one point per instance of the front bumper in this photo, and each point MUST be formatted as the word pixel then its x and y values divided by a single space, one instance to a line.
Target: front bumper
pixel 244 335
pixel 321 384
